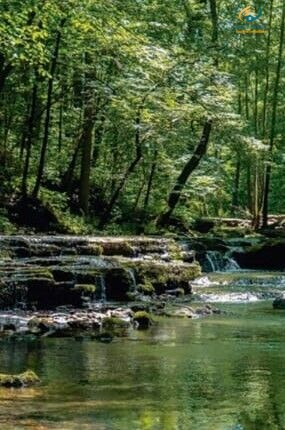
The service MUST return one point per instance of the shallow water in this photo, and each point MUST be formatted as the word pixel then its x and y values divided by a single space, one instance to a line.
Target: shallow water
pixel 223 372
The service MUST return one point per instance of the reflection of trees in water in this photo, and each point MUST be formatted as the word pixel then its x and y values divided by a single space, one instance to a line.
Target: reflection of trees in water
pixel 65 366
pixel 256 373
pixel 20 354
pixel 175 376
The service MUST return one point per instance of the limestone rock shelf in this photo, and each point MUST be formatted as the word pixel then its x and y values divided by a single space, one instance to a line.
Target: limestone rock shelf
pixel 44 272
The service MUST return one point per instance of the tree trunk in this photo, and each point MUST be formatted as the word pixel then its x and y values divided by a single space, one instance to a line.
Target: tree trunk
pixel 139 193
pixel 60 125
pixel 266 89
pixel 235 199
pixel 48 110
pixel 214 18
pixel 108 212
pixel 86 145
pixel 29 139
pixel 150 181
pixel 273 121
pixel 188 169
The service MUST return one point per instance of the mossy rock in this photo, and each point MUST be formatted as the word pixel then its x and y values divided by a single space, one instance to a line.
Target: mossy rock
pixel 279 303
pixel 122 248
pixel 85 288
pixel 146 288
pixel 90 249
pixel 115 326
pixel 5 254
pixel 25 379
pixel 165 276
pixel 143 320
pixel 175 251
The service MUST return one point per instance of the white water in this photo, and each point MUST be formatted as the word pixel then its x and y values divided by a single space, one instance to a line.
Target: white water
pixel 221 263
pixel 239 286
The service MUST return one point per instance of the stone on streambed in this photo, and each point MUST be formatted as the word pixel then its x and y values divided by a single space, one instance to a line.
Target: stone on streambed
pixel 279 303
pixel 25 379
pixel 114 326
pixel 143 320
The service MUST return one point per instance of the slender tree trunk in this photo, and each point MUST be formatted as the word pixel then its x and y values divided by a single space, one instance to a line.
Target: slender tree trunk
pixel 273 121
pixel 29 140
pixel 267 59
pixel 109 209
pixel 150 181
pixel 98 136
pixel 246 99
pixel 60 125
pixel 214 18
pixel 248 186
pixel 4 74
pixel 67 178
pixel 188 169
pixel 48 110
pixel 256 103
pixel 86 145
pixel 139 193
pixel 235 199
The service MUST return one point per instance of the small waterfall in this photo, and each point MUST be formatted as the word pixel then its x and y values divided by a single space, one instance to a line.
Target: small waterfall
pixel 133 279
pixel 218 262
pixel 210 261
pixel 215 260
pixel 103 289
pixel 231 265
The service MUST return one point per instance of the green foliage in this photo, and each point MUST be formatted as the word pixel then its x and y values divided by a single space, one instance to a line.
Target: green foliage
pixel 139 79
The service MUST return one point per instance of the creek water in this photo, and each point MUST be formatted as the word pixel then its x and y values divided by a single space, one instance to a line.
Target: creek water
pixel 225 373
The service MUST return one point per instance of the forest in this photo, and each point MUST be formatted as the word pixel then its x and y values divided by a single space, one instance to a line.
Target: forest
pixel 132 116
pixel 142 218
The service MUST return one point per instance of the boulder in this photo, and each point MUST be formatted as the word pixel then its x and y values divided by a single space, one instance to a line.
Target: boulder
pixel 143 320
pixel 279 303
pixel 25 379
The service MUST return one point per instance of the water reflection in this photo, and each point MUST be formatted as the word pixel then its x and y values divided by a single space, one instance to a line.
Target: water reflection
pixel 220 373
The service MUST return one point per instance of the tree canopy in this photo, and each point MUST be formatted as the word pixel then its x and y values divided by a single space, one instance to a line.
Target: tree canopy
pixel 104 104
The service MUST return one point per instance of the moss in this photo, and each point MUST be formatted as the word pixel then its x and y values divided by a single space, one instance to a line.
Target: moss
pixel 165 276
pixel 4 253
pixel 110 322
pixel 90 249
pixel 118 248
pixel 85 288
pixel 37 273
pixel 175 251
pixel 146 288
pixel 115 326
pixel 25 379
pixel 143 319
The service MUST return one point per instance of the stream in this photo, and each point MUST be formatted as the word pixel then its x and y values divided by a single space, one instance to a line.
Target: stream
pixel 225 372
